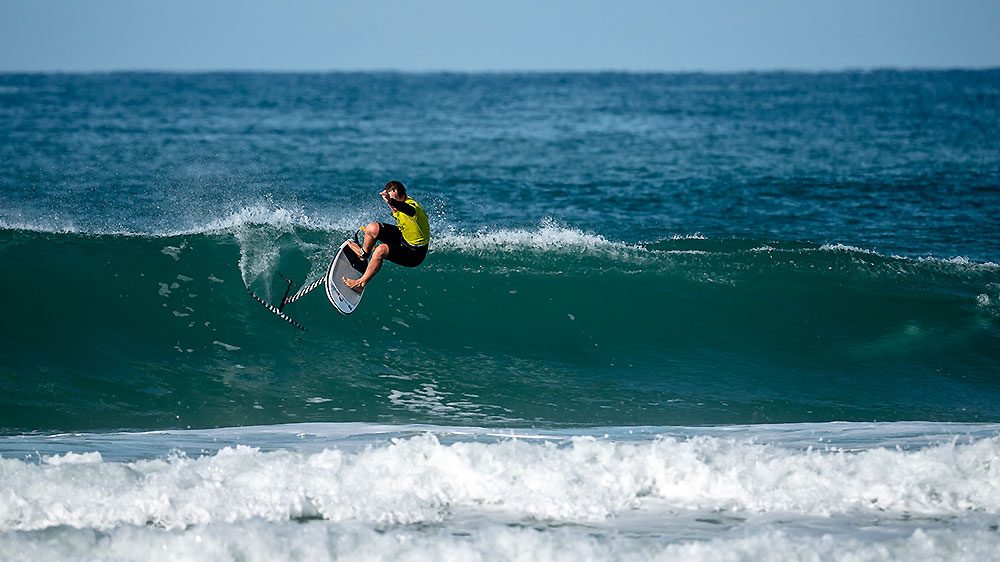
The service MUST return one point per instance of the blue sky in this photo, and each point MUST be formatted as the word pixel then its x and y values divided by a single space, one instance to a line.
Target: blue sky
pixel 471 35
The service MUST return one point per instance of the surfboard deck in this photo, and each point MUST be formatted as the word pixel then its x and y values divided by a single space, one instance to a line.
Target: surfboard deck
pixel 345 264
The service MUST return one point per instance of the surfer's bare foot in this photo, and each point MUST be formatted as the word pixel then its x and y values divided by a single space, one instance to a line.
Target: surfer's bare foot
pixel 354 284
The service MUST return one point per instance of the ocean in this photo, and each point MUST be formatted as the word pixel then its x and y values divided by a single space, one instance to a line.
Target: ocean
pixel 750 316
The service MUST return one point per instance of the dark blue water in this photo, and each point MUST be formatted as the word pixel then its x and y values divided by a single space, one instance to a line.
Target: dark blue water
pixel 663 316
pixel 900 162
pixel 609 249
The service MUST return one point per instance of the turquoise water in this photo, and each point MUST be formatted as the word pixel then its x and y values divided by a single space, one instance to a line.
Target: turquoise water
pixel 542 328
pixel 639 286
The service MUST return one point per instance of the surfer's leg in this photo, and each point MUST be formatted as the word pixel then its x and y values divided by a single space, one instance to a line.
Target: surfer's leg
pixel 371 235
pixel 374 264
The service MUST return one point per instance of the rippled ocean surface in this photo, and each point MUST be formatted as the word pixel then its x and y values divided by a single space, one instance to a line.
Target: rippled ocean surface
pixel 664 316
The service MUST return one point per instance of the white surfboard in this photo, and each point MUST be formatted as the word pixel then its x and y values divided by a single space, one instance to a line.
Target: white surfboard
pixel 342 297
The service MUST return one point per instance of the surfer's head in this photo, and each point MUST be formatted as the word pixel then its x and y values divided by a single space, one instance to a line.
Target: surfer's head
pixel 398 187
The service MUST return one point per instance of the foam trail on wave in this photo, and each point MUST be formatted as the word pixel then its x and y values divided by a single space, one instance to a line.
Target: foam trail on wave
pixel 547 237
pixel 280 217
pixel 44 227
pixel 276 216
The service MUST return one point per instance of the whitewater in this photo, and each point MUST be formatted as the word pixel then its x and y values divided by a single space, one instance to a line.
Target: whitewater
pixel 340 491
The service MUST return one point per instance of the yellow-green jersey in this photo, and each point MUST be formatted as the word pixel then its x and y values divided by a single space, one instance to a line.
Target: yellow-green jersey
pixel 412 221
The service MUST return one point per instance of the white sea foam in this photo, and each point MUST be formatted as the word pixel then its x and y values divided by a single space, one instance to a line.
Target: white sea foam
pixel 424 480
pixel 961 261
pixel 277 216
pixel 47 225
pixel 847 248
pixel 226 346
pixel 314 541
pixel 547 237
pixel 73 458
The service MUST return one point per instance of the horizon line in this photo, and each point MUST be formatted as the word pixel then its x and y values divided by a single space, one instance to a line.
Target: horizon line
pixel 762 70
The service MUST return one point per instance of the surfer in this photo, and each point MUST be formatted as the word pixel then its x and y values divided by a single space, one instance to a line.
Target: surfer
pixel 403 243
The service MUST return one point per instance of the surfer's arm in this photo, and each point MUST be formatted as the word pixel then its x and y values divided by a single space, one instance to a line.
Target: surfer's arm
pixel 401 206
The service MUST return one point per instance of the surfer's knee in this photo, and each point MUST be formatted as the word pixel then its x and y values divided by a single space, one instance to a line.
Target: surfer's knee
pixel 381 251
pixel 372 229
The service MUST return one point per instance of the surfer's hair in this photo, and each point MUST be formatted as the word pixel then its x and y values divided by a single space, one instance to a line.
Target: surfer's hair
pixel 396 185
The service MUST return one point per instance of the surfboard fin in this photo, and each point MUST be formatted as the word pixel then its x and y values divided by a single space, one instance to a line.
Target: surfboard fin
pixel 276 310
pixel 301 292
pixel 286 300
pixel 279 309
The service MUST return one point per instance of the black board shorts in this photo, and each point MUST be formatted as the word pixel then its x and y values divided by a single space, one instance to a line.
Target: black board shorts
pixel 400 252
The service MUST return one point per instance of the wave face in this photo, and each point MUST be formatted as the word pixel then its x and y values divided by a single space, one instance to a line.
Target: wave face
pixel 498 328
